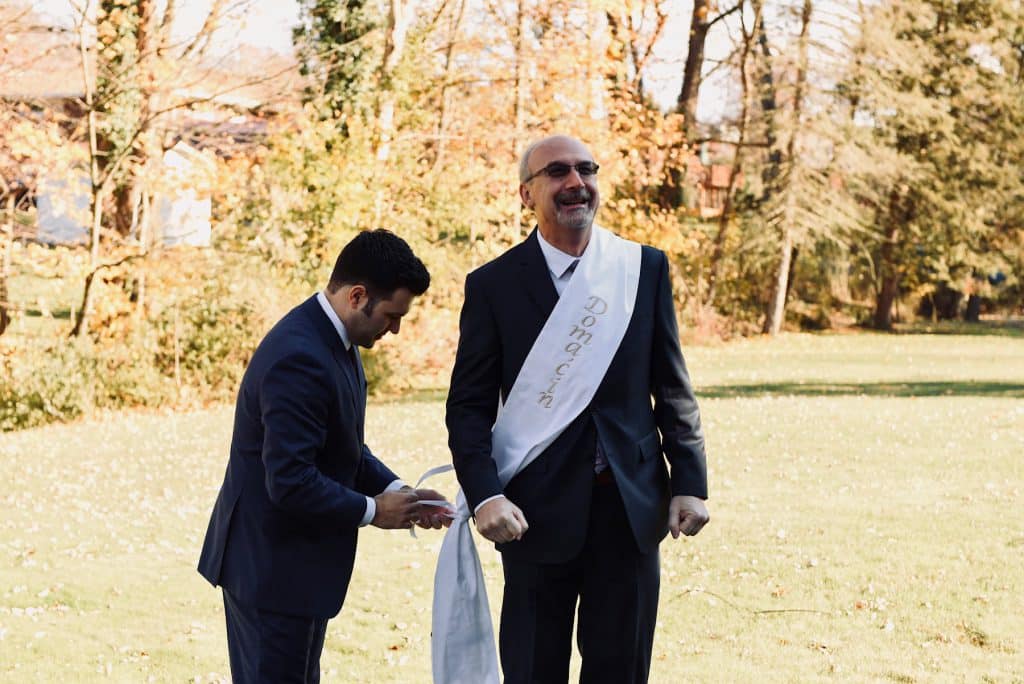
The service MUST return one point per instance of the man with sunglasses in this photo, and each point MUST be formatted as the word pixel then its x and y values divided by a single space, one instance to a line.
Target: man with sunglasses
pixel 597 451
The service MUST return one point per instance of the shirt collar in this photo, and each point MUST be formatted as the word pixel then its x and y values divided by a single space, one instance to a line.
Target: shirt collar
pixel 557 260
pixel 333 315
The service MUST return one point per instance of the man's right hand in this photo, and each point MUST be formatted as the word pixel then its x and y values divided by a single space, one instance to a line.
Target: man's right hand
pixel 501 521
pixel 396 509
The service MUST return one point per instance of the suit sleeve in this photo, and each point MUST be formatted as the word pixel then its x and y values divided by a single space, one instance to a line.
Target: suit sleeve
pixel 675 406
pixel 373 475
pixel 294 404
pixel 473 397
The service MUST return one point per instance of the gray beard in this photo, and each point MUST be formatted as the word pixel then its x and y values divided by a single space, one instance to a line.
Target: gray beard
pixel 577 220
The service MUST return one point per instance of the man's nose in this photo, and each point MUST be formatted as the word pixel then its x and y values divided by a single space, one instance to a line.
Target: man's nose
pixel 574 179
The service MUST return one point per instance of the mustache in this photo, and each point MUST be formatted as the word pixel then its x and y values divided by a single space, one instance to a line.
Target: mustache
pixel 577 196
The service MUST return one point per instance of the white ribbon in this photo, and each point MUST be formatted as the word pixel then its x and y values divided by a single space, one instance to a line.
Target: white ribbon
pixel 449 511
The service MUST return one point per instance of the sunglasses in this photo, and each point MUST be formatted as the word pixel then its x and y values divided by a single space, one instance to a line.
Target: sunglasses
pixel 561 170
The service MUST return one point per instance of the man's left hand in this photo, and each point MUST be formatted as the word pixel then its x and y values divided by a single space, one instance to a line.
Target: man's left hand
pixel 433 516
pixel 686 515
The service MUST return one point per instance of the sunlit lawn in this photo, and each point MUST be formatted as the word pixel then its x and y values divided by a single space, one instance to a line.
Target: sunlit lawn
pixel 867 525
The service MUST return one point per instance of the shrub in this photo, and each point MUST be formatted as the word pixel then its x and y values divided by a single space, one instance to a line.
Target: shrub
pixel 205 342
pixel 37 388
pixel 69 379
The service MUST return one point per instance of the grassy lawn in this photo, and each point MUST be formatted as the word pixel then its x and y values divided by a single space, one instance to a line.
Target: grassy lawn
pixel 866 526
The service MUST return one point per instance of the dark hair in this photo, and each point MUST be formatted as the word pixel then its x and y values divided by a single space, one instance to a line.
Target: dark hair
pixel 382 262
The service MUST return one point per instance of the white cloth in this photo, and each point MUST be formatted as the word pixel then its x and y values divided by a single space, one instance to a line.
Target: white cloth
pixel 558 379
pixel 561 266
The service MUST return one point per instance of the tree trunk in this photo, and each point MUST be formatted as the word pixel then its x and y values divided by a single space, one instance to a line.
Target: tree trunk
pixel 768 106
pixel 793 258
pixel 718 251
pixel 5 265
pixel 148 148
pixel 394 46
pixel 693 69
pixel 518 113
pixel 886 297
pixel 81 326
pixel 145 242
pixel 777 306
pixel 972 314
pixel 97 186
pixel 884 302
pixel 445 99
pixel 399 15
pixel 85 310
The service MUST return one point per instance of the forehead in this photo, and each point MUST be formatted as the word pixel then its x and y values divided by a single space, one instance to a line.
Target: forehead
pixel 559 150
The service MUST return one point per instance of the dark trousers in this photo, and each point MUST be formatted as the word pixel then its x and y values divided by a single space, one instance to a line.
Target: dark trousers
pixel 271 648
pixel 617 589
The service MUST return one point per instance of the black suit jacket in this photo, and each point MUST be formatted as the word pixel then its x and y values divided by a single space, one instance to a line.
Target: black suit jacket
pixel 506 304
pixel 282 536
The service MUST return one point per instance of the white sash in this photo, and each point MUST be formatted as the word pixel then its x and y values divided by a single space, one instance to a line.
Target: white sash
pixel 558 379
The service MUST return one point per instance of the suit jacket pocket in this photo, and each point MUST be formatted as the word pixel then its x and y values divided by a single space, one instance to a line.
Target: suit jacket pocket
pixel 649 446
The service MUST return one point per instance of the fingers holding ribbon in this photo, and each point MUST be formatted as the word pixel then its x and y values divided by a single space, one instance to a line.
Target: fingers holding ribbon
pixel 395 509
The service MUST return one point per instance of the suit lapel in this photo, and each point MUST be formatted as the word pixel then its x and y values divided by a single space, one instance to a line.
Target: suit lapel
pixel 352 369
pixel 360 395
pixel 535 276
pixel 353 376
pixel 344 359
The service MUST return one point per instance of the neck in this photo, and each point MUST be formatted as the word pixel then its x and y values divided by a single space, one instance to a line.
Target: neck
pixel 339 304
pixel 572 242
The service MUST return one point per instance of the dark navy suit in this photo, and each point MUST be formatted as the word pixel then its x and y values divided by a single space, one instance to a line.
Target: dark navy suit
pixel 593 540
pixel 282 537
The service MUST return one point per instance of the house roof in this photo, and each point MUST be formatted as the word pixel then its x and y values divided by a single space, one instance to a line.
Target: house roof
pixel 40 61
pixel 37 61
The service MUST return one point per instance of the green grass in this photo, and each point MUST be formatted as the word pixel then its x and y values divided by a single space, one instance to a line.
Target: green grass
pixel 860 359
pixel 866 527
pixel 1011 327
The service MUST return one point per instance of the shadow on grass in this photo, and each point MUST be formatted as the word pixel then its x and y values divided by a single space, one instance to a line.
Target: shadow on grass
pixel 1012 327
pixel 63 313
pixel 869 389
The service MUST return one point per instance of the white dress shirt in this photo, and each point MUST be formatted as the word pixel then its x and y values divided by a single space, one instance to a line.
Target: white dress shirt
pixel 560 264
pixel 371 505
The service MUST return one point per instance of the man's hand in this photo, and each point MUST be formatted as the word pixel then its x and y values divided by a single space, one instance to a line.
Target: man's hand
pixel 396 509
pixel 501 521
pixel 686 515
pixel 433 515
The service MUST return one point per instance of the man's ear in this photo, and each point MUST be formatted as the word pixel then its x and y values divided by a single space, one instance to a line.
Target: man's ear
pixel 524 194
pixel 357 296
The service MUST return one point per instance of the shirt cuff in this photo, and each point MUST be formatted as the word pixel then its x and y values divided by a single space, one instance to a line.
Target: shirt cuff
pixel 371 510
pixel 490 498
pixel 371 505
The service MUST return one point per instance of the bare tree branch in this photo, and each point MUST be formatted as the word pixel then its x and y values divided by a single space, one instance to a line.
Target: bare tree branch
pixel 201 41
